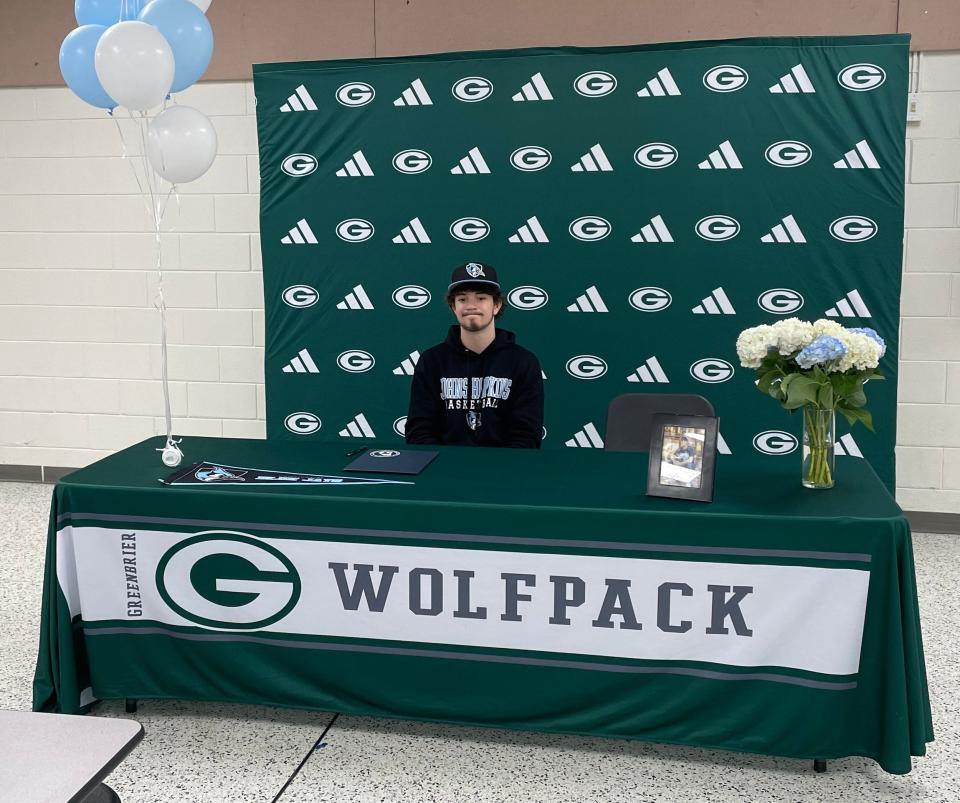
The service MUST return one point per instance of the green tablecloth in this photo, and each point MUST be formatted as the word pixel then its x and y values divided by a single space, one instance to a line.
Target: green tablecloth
pixel 508 588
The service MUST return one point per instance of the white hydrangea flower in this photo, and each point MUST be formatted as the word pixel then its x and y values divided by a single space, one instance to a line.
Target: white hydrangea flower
pixel 753 343
pixel 862 351
pixel 792 335
pixel 825 326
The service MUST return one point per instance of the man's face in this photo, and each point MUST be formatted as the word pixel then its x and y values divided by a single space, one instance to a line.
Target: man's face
pixel 475 309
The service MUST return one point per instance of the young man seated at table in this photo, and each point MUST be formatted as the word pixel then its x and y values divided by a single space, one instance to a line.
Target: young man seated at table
pixel 478 387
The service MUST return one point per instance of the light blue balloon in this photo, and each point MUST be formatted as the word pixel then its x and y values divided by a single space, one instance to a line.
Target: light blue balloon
pixel 77 66
pixel 188 31
pixel 106 12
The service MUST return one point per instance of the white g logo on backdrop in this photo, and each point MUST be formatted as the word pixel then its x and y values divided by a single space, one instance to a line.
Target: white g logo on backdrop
pixel 412 161
pixel 775 441
pixel 725 78
pixel 400 426
pixel 590 228
pixel 355 94
pixel 586 366
pixel 530 158
pixel 302 423
pixel 469 229
pixel 861 77
pixel 650 299
pixel 472 89
pixel 788 153
pixel 853 228
pixel 595 84
pixel 298 165
pixel 711 370
pixel 355 361
pixel 300 296
pixel 717 227
pixel 527 297
pixel 411 296
pixel 655 155
pixel 355 230
pixel 780 301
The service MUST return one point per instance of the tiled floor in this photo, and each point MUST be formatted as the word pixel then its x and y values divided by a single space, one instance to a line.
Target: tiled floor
pixel 208 753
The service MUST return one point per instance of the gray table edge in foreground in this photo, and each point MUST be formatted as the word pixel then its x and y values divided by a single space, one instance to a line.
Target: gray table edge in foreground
pixel 12 724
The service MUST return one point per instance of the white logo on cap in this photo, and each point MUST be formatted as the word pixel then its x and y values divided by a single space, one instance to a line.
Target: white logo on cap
pixel 474 270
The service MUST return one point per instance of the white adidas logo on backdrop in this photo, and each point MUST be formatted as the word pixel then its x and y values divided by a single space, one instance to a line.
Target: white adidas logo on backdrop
pixel 660 85
pixel 529 232
pixel 535 89
pixel 716 303
pixel 356 165
pixel 859 158
pixel 850 306
pixel 413 232
pixel 786 231
pixel 408 364
pixel 299 101
pixel 794 82
pixel 471 164
pixel 723 157
pixel 593 161
pixel 356 299
pixel 301 234
pixel 650 371
pixel 586 438
pixel 358 428
pixel 589 301
pixel 414 95
pixel 847 446
pixel 655 231
pixel 301 364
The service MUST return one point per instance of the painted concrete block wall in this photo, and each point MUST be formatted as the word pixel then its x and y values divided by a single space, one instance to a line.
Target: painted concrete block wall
pixel 928 431
pixel 79 360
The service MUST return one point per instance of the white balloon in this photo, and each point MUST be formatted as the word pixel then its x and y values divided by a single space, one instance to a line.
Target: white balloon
pixel 203 5
pixel 135 61
pixel 181 144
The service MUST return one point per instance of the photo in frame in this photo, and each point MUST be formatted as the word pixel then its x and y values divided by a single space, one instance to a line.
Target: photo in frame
pixel 683 454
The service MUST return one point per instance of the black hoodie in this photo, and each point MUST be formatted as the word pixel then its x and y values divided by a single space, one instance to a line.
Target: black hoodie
pixel 462 398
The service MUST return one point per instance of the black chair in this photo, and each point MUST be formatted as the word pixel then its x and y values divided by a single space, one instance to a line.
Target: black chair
pixel 630 417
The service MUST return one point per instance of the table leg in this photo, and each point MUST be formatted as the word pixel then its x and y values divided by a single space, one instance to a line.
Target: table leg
pixel 102 794
pixel 819 765
pixel 130 705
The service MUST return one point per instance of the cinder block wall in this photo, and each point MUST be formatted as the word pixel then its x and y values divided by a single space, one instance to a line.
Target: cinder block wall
pixel 928 431
pixel 79 360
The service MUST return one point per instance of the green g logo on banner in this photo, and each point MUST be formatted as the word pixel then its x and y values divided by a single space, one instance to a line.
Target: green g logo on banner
pixel 228 580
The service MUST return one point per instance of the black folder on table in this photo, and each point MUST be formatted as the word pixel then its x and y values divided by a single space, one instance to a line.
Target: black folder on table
pixel 392 461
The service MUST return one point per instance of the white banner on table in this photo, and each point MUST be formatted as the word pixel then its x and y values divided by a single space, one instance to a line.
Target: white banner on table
pixel 740 614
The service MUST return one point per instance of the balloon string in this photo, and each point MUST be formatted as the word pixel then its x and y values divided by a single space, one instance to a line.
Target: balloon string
pixel 126 155
pixel 160 302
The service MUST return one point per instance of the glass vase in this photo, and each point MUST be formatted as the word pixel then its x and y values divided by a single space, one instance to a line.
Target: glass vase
pixel 818 454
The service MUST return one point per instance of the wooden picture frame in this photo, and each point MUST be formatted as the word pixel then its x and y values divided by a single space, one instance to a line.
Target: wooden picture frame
pixel 683 455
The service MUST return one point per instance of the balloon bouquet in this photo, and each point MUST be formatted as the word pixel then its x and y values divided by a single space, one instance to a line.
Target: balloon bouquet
pixel 134 53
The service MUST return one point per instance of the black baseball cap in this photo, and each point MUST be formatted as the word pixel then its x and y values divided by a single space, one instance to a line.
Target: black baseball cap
pixel 474 273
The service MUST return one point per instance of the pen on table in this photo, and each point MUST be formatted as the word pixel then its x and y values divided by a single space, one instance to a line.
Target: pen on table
pixel 357 451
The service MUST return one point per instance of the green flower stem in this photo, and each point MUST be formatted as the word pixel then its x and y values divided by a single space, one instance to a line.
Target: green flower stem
pixel 817 423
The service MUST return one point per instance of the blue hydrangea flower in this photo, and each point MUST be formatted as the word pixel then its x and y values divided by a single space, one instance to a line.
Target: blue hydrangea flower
pixel 821 351
pixel 866 330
